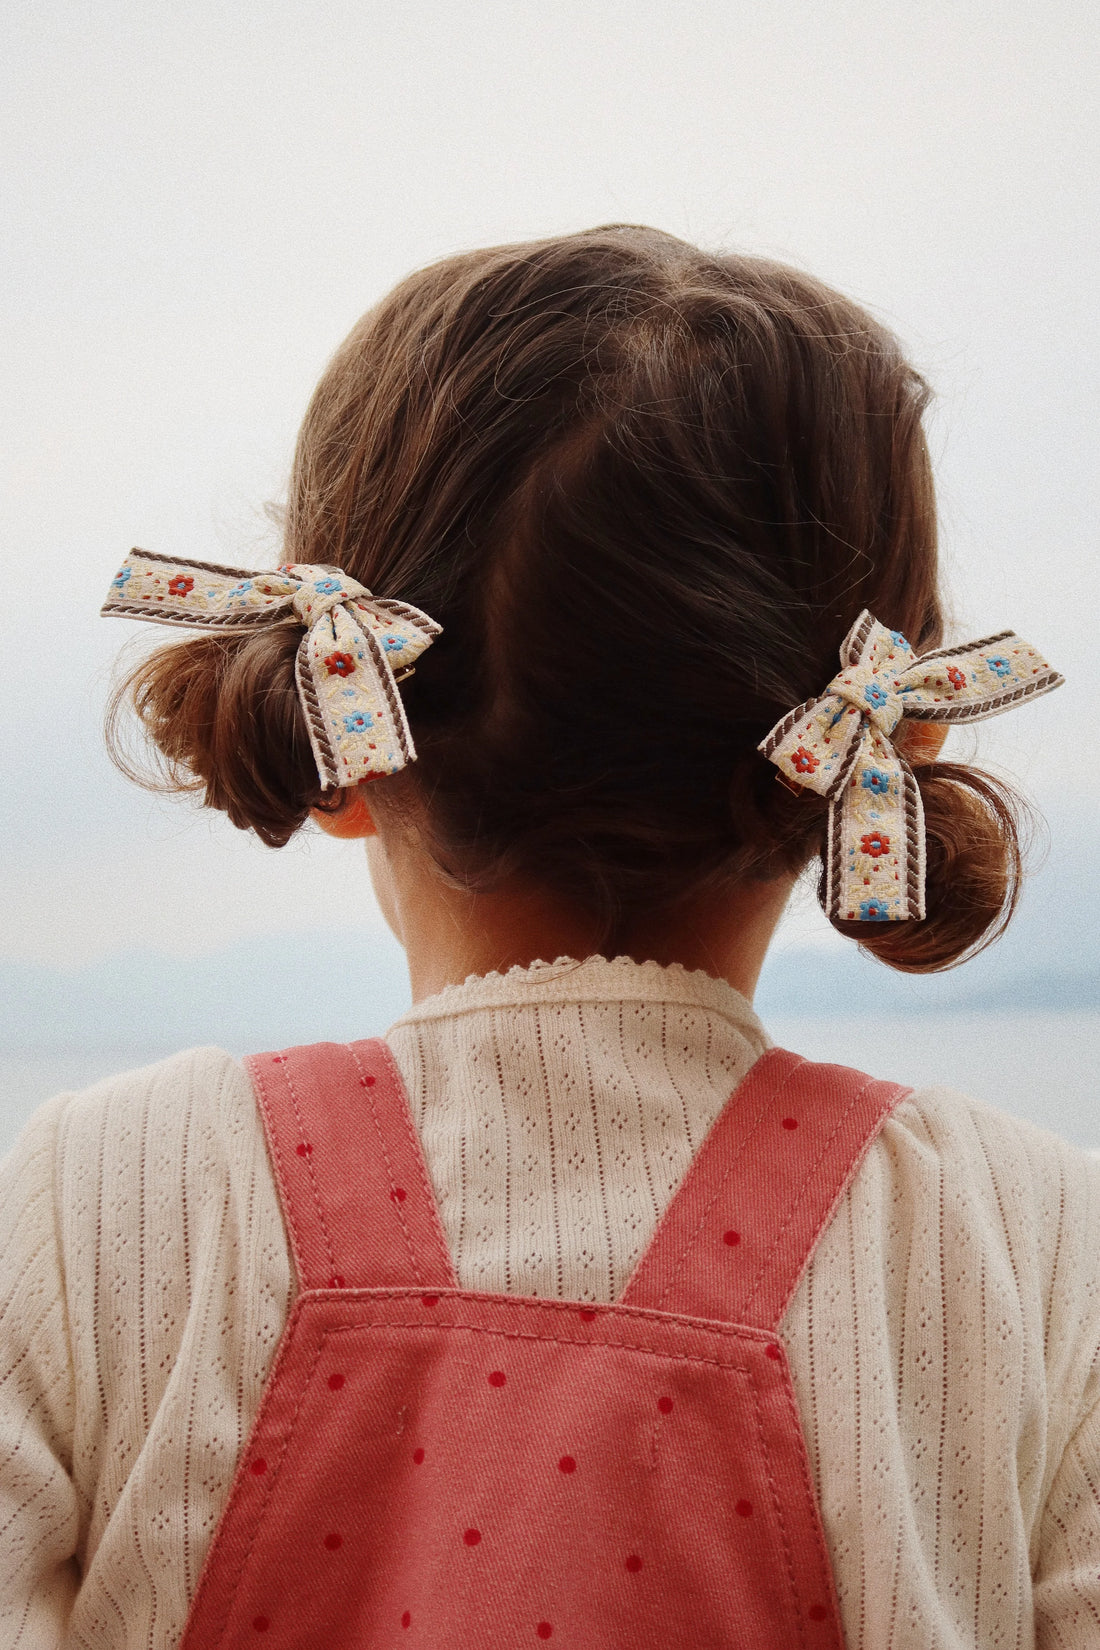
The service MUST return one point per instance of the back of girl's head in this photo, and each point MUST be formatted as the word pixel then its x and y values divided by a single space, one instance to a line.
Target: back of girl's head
pixel 646 491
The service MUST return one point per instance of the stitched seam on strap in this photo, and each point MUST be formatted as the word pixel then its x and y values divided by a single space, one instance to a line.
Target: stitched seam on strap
pixel 800 1195
pixel 395 1202
pixel 275 1146
pixel 690 1241
pixel 895 1093
pixel 418 1158
pixel 777 1502
pixel 810 1491
pixel 312 1177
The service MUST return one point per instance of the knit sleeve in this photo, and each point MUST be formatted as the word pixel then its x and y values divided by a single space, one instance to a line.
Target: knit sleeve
pixel 39 1507
pixel 1067 1581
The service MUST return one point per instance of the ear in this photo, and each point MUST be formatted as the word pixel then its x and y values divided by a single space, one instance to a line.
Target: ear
pixel 353 818
pixel 921 741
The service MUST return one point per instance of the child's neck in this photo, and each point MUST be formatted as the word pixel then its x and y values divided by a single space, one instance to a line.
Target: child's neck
pixel 449 934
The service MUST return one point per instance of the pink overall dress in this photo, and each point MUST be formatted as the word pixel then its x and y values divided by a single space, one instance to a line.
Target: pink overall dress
pixel 437 1467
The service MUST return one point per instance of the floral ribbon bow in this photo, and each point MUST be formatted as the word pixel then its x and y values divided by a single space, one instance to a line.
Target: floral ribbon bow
pixel 345 668
pixel 840 745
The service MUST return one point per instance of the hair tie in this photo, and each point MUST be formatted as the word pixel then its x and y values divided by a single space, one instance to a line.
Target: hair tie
pixel 345 669
pixel 840 746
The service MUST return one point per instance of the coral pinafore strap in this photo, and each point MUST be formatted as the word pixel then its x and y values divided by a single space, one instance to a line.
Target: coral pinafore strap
pixel 437 1467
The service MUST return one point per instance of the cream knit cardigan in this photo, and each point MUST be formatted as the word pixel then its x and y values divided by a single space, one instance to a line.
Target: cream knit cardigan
pixel 944 1341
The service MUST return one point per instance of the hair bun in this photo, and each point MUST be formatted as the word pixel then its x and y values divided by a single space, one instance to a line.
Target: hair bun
pixel 225 716
pixel 974 872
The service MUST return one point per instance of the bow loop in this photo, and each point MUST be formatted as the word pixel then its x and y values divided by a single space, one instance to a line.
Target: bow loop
pixel 321 589
pixel 345 665
pixel 871 694
pixel 840 745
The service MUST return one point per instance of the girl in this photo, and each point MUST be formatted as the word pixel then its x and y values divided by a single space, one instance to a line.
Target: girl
pixel 573 1311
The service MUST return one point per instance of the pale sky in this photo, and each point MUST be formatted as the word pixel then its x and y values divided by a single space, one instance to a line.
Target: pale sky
pixel 200 200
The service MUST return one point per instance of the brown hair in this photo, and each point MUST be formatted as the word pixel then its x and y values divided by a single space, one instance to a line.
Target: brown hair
pixel 646 490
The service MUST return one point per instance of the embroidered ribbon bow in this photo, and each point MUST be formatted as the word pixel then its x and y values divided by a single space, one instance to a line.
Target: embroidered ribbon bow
pixel 346 663
pixel 840 746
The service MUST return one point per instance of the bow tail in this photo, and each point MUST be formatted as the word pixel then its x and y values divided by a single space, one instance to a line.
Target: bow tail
pixel 356 720
pixel 316 724
pixel 393 722
pixel 874 854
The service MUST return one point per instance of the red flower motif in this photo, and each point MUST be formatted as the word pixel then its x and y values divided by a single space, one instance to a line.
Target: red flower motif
pixel 803 761
pixel 181 585
pixel 340 664
pixel 956 678
pixel 875 844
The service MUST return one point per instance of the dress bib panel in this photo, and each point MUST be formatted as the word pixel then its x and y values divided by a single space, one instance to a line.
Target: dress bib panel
pixel 434 1467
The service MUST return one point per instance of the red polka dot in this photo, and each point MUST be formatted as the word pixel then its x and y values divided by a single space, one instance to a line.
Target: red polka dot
pixel 773 1351
pixel 398 1194
pixel 744 1508
pixel 732 1237
pixel 587 1314
pixel 472 1537
pixel 418 1456
pixel 259 1466
pixel 336 1382
pixel 277 1059
pixel 790 1122
pixel 817 1612
pixel 303 1148
pixel 633 1562
pixel 567 1464
pixel 544 1629
pixel 336 1281
pixel 367 1082
pixel 333 1540
pixel 497 1378
pixel 430 1300
pixel 664 1405
pixel 405 1619
pixel 260 1623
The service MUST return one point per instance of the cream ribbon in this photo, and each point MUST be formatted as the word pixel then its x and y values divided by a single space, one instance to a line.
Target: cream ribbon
pixel 355 650
pixel 840 745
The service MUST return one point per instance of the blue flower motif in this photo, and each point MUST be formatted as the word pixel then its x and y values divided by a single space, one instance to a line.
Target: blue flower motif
pixel 120 578
pixel 327 587
pixel 241 589
pixel 900 641
pixel 874 910
pixel 1000 664
pixel 392 644
pixel 875 695
pixel 873 779
pixel 359 722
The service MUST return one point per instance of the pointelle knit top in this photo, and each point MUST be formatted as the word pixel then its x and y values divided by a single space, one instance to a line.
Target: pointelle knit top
pixel 944 1341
